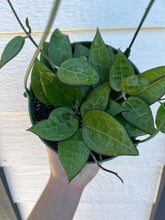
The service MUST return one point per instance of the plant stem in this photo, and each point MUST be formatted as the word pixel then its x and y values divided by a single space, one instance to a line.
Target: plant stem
pixel 122 96
pixel 51 19
pixel 110 171
pixel 128 50
pixel 22 26
pixel 161 99
pixel 153 135
pixel 12 8
pixel 29 34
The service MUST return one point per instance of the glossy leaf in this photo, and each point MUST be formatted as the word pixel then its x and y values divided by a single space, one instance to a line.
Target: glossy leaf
pixel 160 117
pixel 59 94
pixel 36 83
pixel 12 49
pixel 73 154
pixel 59 48
pixel 96 99
pixel 120 69
pixel 77 71
pixel 84 90
pixel 114 108
pixel 60 125
pixel 138 114
pixel 80 50
pixel 106 136
pixel 155 90
pixel 132 131
pixel 134 85
pixel 111 53
pixel 45 51
pixel 99 57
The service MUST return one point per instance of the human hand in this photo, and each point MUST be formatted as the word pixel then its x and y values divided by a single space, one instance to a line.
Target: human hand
pixel 80 181
pixel 59 199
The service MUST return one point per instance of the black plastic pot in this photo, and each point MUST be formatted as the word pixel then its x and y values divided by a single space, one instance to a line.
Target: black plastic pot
pixel 34 106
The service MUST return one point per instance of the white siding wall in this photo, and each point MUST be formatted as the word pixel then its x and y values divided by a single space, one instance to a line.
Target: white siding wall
pixel 24 156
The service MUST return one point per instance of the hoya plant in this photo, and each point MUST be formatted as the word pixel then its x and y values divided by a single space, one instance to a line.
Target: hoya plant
pixel 88 101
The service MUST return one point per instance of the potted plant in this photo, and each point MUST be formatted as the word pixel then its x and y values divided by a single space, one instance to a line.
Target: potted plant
pixel 87 100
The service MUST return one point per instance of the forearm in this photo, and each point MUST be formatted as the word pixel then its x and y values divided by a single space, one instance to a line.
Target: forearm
pixel 58 201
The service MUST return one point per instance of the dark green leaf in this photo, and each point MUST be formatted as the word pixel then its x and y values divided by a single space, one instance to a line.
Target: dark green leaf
pixel 111 53
pixel 77 71
pixel 84 90
pixel 120 69
pixel 84 58
pixel 45 51
pixel 134 85
pixel 160 117
pixel 132 131
pixel 60 125
pixel 114 108
pixel 96 99
pixel 104 135
pixel 59 94
pixel 36 83
pixel 138 114
pixel 12 49
pixel 59 48
pixel 80 50
pixel 99 57
pixel 73 155
pixel 155 90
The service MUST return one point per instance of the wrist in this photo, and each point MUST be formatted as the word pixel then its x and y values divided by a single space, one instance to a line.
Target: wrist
pixel 65 185
pixel 68 197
